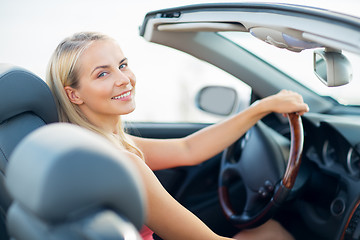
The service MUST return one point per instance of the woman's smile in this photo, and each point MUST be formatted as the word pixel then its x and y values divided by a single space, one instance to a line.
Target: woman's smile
pixel 123 97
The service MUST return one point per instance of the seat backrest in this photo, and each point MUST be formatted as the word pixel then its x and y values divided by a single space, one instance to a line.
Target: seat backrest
pixel 81 188
pixel 26 103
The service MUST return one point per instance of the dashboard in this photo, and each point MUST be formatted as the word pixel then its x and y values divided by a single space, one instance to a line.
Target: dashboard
pixel 333 143
pixel 331 169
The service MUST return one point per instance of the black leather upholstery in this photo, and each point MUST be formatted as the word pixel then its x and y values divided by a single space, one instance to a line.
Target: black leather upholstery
pixel 79 187
pixel 26 104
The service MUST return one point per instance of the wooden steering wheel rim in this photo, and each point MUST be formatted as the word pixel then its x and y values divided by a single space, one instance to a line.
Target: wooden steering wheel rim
pixel 297 141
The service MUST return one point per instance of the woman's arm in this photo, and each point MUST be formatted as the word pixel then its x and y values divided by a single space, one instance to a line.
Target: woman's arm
pixel 165 216
pixel 208 142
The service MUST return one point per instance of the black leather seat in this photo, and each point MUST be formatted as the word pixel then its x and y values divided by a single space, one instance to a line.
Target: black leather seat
pixel 70 183
pixel 26 104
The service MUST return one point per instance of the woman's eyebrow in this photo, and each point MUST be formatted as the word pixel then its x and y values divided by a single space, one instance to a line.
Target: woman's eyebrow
pixel 103 66
pixel 123 60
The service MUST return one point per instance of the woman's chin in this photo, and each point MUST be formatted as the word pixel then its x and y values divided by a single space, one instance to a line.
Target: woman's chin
pixel 128 111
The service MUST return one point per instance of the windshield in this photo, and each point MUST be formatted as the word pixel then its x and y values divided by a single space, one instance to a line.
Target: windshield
pixel 300 67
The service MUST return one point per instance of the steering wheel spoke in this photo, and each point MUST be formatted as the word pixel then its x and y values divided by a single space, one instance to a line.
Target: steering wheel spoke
pixel 252 201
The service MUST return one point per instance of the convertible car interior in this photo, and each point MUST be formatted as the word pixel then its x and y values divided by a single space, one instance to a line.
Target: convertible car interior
pixel 302 171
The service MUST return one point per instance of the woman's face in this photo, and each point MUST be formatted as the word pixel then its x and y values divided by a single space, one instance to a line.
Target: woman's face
pixel 106 83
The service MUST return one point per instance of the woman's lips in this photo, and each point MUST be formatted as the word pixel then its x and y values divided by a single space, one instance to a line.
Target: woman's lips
pixel 123 96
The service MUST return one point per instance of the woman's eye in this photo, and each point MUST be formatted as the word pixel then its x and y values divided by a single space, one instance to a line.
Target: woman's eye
pixel 102 74
pixel 124 65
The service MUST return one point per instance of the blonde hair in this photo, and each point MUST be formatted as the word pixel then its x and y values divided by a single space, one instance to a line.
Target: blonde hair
pixel 63 71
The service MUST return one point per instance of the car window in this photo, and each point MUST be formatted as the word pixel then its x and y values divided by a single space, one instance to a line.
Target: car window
pixel 168 82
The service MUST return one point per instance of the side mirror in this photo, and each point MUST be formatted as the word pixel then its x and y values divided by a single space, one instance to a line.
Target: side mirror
pixel 332 67
pixel 217 100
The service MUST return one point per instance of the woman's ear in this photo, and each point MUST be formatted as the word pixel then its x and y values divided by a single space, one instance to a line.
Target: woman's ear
pixel 73 95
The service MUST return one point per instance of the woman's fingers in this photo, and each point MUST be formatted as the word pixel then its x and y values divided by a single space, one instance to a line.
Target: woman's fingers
pixel 287 101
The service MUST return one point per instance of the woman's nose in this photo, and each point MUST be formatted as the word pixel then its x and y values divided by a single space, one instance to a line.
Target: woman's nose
pixel 121 79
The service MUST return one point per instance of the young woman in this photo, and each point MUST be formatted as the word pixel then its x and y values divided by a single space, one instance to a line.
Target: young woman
pixel 93 85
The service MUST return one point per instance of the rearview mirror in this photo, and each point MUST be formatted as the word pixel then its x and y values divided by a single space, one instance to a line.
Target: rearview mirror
pixel 217 100
pixel 332 67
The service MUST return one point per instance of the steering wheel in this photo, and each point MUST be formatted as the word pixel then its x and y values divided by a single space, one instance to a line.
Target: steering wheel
pixel 260 174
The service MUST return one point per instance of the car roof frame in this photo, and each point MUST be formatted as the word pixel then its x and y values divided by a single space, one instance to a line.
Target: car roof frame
pixel 153 30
